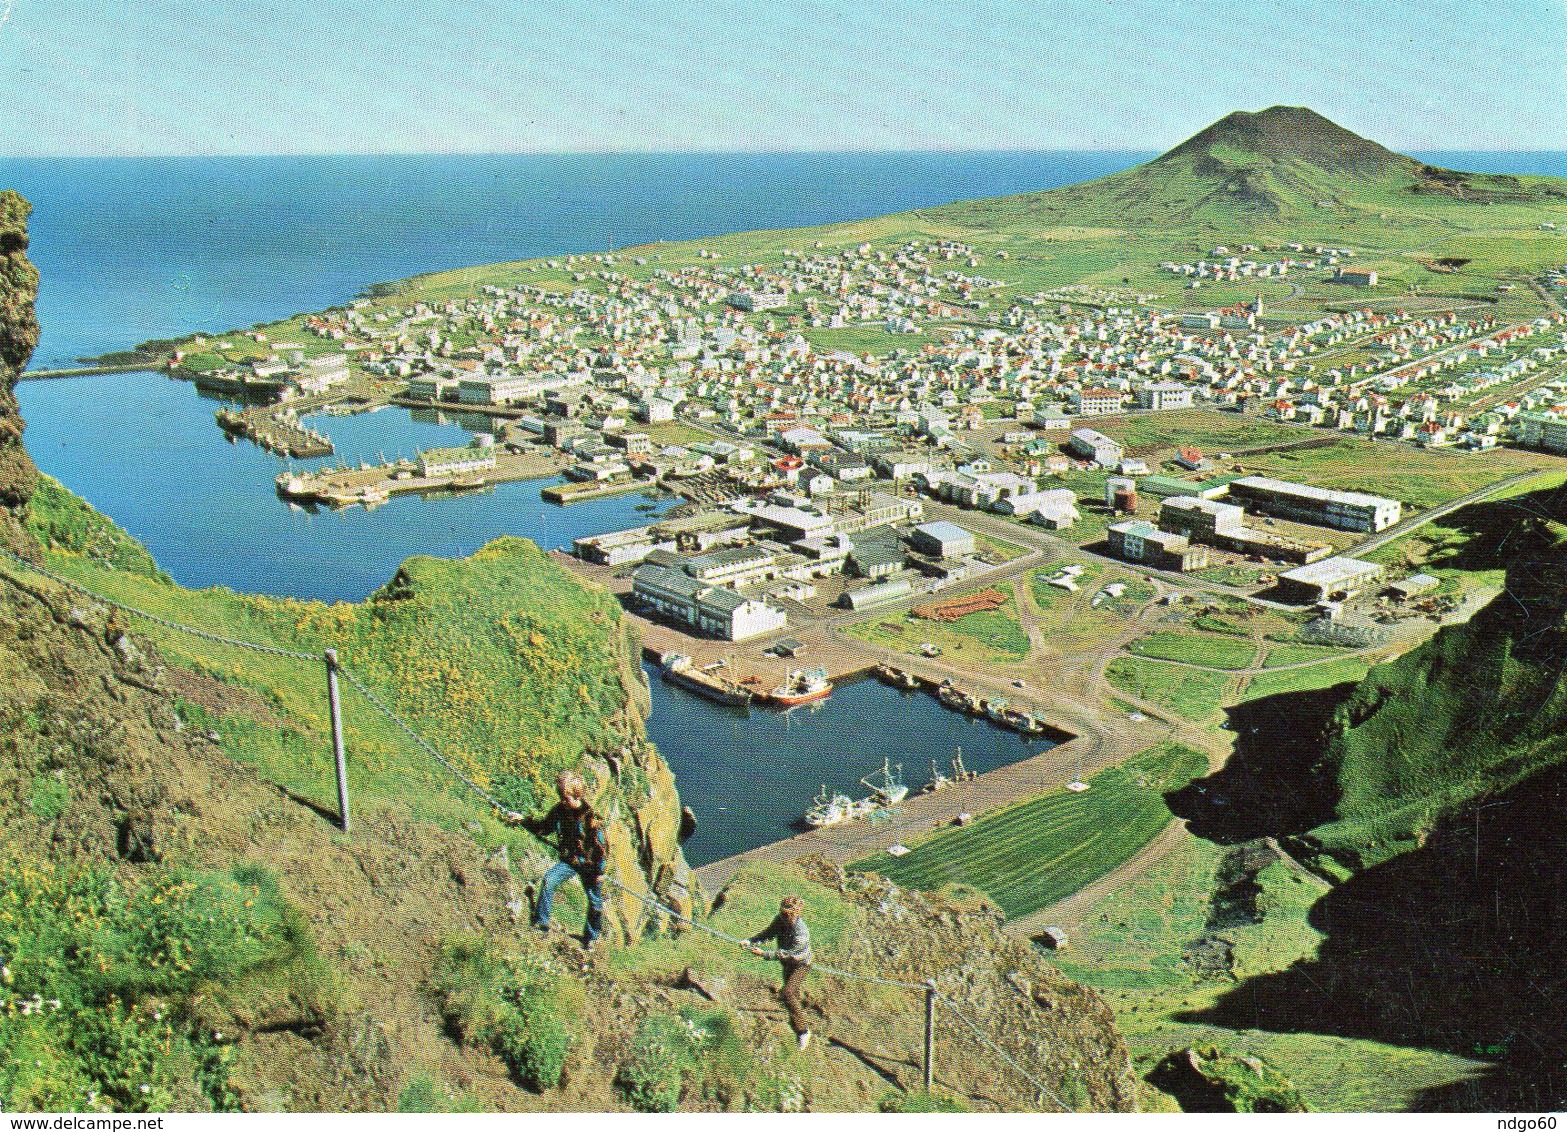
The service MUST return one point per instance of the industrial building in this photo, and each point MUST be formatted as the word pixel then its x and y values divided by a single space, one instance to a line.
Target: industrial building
pixel 1542 430
pixel 1341 510
pixel 714 611
pixel 879 594
pixel 1332 579
pixel 1056 509
pixel 1138 540
pixel 1223 525
pixel 942 539
pixel 456 461
pixel 1095 446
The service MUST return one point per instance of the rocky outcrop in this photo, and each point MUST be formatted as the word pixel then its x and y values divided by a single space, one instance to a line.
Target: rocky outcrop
pixel 18 337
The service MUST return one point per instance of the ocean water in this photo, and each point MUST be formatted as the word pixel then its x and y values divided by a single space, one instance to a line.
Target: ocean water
pixel 138 248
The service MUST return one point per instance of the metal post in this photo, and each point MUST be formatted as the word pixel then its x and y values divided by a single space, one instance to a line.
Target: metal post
pixel 337 736
pixel 930 1033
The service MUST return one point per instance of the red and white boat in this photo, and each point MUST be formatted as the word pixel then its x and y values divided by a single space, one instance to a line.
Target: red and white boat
pixel 802 687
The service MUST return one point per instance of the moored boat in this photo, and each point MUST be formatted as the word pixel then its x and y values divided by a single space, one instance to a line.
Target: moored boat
pixel 681 669
pixel 828 809
pixel 886 785
pixel 938 781
pixel 802 687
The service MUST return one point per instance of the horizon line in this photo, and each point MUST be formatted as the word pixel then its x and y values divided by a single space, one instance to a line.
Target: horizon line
pixel 928 151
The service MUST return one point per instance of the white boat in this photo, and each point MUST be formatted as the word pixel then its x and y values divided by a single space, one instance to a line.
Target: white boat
pixel 827 810
pixel 938 781
pixel 861 807
pixel 886 785
pixel 802 687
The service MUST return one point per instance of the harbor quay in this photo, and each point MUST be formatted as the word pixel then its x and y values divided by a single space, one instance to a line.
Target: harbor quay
pixel 453 469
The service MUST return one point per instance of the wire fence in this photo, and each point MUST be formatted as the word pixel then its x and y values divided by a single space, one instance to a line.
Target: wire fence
pixel 510 816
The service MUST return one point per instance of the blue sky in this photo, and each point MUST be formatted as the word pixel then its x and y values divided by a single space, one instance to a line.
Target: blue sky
pixel 347 76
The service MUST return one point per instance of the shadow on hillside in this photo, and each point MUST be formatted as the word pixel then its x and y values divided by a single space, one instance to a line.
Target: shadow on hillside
pixel 1460 946
pixel 1273 783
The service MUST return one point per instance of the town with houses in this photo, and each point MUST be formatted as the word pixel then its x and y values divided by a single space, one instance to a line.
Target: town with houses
pixel 821 478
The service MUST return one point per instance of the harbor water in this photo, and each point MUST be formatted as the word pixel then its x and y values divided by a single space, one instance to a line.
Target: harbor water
pixel 748 774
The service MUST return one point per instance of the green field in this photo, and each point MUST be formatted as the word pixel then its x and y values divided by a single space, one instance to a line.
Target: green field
pixel 1306 679
pixel 1299 654
pixel 1145 433
pixel 1211 650
pixel 1419 477
pixel 1030 855
pixel 991 637
pixel 1192 693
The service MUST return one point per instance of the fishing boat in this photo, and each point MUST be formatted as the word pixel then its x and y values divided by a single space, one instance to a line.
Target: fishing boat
pixel 860 808
pixel 886 785
pixel 828 810
pixel 708 682
pixel 938 781
pixel 951 697
pixel 802 687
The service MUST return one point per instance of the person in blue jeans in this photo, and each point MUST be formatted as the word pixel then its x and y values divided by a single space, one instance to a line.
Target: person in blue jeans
pixel 580 841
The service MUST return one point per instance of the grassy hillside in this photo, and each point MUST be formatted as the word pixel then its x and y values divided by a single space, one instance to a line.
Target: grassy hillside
pixel 1475 710
pixel 508 663
pixel 158 980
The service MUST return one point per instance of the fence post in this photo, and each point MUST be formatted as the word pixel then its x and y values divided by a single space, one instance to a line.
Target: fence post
pixel 337 736
pixel 930 1033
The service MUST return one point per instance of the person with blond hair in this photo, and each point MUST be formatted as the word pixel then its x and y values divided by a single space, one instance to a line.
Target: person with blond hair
pixel 581 844
pixel 793 952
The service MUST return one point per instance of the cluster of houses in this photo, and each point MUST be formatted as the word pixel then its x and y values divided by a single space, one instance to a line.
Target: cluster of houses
pixel 620 345
pixel 286 375
pixel 726 570
pixel 1228 267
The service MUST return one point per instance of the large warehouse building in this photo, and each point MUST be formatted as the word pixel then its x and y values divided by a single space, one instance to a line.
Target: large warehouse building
pixel 1341 510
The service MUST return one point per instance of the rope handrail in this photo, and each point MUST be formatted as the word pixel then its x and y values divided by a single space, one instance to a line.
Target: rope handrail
pixel 272 650
pixel 506 812
pixel 1001 1053
pixel 512 816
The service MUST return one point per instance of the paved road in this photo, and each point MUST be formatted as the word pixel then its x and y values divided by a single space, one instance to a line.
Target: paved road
pixel 1399 530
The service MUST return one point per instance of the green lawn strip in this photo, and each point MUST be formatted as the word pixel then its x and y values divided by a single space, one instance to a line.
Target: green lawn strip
pixel 1350 668
pixel 997 632
pixel 1421 478
pixel 1003 550
pixel 1281 655
pixel 1037 852
pixel 1191 693
pixel 1207 649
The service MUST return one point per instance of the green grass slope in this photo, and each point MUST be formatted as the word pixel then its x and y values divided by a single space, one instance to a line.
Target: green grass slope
pixel 1473 711
pixel 1282 164
pixel 512 666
